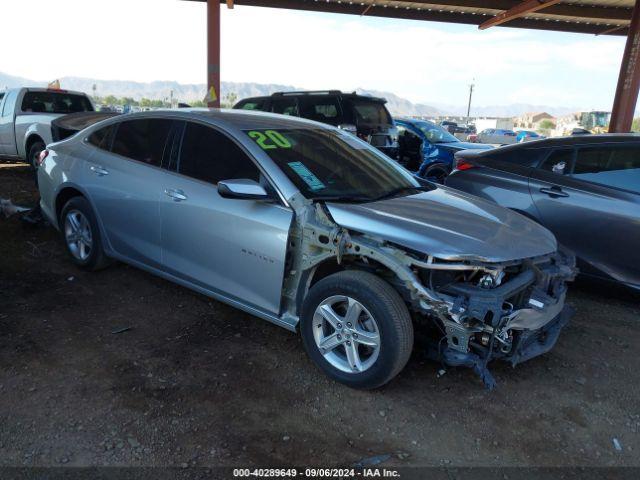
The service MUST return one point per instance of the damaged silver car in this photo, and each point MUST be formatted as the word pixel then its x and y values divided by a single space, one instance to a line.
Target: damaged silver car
pixel 307 226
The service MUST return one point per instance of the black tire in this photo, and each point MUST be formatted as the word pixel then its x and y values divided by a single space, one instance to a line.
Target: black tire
pixel 391 316
pixel 34 151
pixel 96 258
pixel 437 173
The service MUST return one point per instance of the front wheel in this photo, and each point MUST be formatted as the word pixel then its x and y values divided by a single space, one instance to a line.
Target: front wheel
pixel 357 329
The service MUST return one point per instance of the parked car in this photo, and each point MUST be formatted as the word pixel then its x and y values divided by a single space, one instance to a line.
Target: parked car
pixel 311 228
pixel 585 189
pixel 497 136
pixel 428 148
pixel 364 116
pixel 527 135
pixel 27 113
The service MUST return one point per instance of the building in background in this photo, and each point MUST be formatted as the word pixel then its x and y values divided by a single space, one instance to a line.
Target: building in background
pixel 536 121
pixel 595 121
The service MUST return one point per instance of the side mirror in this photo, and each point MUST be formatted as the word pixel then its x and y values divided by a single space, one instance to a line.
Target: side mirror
pixel 242 189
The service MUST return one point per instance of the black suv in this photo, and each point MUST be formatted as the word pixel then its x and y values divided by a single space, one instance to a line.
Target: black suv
pixel 364 116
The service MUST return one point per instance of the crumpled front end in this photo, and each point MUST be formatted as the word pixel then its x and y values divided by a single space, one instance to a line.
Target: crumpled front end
pixel 513 312
pixel 474 308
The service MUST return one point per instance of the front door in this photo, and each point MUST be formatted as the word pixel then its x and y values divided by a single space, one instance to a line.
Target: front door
pixel 232 247
pixel 585 198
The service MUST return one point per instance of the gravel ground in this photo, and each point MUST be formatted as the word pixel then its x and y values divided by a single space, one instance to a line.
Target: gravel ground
pixel 193 382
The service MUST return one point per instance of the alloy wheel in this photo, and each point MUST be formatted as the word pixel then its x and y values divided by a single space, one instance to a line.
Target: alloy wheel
pixel 77 233
pixel 346 334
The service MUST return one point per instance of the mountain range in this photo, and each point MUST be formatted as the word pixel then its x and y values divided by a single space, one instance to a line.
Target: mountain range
pixel 190 92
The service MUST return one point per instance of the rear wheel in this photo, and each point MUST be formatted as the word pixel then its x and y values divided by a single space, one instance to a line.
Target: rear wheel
pixel 81 235
pixel 34 151
pixel 357 329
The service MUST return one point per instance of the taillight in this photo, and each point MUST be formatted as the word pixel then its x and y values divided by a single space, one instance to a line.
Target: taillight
pixel 41 156
pixel 462 164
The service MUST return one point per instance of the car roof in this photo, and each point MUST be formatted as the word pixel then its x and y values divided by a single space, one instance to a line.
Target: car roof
pixel 316 93
pixel 54 90
pixel 238 119
pixel 557 142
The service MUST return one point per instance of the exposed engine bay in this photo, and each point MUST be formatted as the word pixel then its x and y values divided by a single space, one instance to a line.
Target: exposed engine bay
pixel 476 311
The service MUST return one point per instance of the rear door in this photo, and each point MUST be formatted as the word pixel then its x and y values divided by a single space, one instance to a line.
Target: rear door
pixel 125 182
pixel 589 198
pixel 321 108
pixel 231 247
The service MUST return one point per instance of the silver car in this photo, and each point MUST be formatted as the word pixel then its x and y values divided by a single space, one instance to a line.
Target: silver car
pixel 497 136
pixel 306 226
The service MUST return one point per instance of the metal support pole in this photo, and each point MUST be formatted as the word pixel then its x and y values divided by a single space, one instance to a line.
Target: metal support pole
pixel 213 53
pixel 469 104
pixel 626 98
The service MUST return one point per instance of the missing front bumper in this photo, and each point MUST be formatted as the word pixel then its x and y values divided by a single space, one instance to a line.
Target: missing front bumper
pixel 527 345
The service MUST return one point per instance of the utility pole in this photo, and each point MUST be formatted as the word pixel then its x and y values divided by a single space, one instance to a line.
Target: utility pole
pixel 469 104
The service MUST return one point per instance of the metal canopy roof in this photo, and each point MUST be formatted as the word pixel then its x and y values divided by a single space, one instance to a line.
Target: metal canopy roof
pixel 600 17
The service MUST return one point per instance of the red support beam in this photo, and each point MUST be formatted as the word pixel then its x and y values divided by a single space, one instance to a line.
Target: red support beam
pixel 213 53
pixel 624 104
pixel 520 10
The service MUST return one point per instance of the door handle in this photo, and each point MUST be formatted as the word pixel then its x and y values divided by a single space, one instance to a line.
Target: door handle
pixel 177 195
pixel 101 172
pixel 554 192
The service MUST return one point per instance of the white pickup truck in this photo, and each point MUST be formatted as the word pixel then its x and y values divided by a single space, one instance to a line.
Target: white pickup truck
pixel 26 115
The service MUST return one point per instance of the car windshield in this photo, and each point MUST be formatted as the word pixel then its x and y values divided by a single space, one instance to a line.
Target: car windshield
pixel 332 165
pixel 370 113
pixel 435 133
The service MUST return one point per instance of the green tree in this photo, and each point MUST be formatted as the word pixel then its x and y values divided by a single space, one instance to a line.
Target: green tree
pixel 110 100
pixel 229 100
pixel 547 124
pixel 635 126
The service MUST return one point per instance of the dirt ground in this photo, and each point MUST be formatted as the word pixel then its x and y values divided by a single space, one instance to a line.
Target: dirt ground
pixel 193 382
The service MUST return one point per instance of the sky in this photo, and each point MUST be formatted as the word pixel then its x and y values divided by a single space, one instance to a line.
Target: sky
pixel 428 62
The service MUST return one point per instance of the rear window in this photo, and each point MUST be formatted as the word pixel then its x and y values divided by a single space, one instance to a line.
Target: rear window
pixel 55 102
pixel 101 137
pixel 370 113
pixel 143 140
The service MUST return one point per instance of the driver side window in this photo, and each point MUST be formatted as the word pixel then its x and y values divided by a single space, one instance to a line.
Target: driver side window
pixel 211 156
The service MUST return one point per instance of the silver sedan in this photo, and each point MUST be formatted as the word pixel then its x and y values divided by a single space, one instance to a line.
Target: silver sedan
pixel 307 226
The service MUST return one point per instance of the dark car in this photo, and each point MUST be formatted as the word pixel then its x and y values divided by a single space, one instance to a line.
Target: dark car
pixel 428 148
pixel 364 116
pixel 585 189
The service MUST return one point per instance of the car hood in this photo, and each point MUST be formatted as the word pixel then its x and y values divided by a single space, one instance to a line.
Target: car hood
pixel 448 224
pixel 456 146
